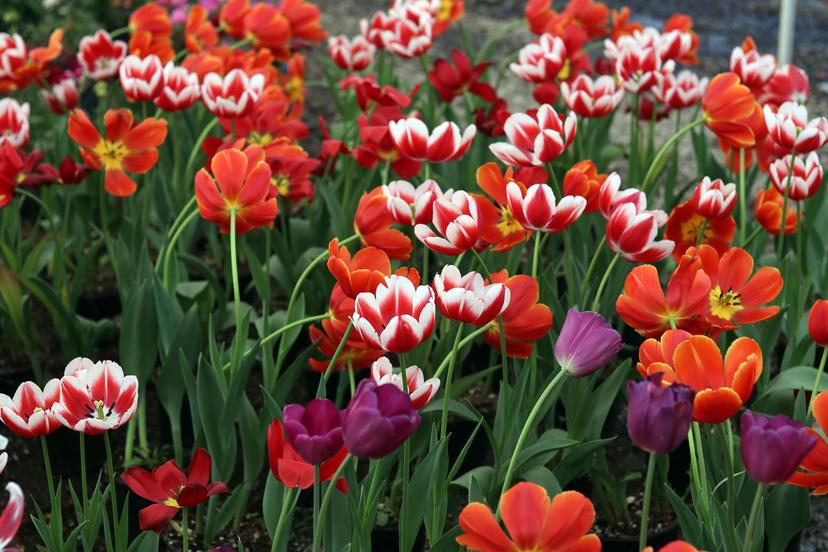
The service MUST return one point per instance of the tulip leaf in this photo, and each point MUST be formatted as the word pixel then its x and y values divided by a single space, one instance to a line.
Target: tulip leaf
pixel 456 408
pixel 691 528
pixel 787 512
pixel 575 461
pixel 416 497
pixel 481 476
pixel 544 477
pixel 541 452
pixel 138 328
pixel 794 379
pixel 448 542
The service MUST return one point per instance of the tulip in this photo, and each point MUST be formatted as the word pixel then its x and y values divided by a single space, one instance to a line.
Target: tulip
pixel 638 63
pixel 632 234
pixel 419 390
pixel 409 205
pixel 806 178
pixel 444 144
pixel 592 98
pixel 467 298
pixel 818 322
pixel 314 430
pixel 754 69
pixel 542 60
pixel 14 122
pixel 773 448
pixel 610 196
pixel 583 179
pixel 658 416
pixel 731 111
pixel 141 79
pixel 12 515
pixel 378 419
pixel 13 54
pixel 61 96
pixel 586 343
pixel 714 199
pixel 451 80
pixel 233 95
pixel 768 210
pixel 679 91
pixel 535 139
pixel 537 210
pixel 790 128
pixel 100 56
pixel 407 30
pixel 397 317
pixel 457 218
pixel 353 54
pixel 293 471
pixel 788 84
pixel 29 413
pixel 181 89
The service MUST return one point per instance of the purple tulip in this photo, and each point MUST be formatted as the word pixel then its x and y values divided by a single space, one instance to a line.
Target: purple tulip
pixel 378 419
pixel 658 417
pixel 772 448
pixel 315 430
pixel 586 343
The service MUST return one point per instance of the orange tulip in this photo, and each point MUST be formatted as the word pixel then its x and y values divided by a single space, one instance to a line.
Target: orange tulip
pixel 768 211
pixel 524 320
pixel 267 27
pixel 126 148
pixel 504 230
pixel 652 312
pixel 731 111
pixel 818 322
pixel 684 224
pixel 448 12
pixel 361 273
pixel 199 31
pixel 675 546
pixel 304 21
pixel 152 18
pixel 722 388
pixel 534 522
pixel 813 472
pixel 231 17
pixel 372 223
pixel 582 179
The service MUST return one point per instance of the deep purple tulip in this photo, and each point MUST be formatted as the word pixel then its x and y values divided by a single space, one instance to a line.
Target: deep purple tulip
pixel 658 417
pixel 772 448
pixel 314 430
pixel 378 419
pixel 586 343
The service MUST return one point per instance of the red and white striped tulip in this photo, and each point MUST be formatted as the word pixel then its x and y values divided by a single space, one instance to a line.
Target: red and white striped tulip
pixel 96 398
pixel 233 96
pixel 100 56
pixel 406 30
pixel 141 79
pixel 397 317
pixel 14 122
pixel 679 91
pixel 13 54
pixel 789 83
pixel 181 89
pixel 62 96
pixel 633 234
pixel 536 139
pixel 12 515
pixel 638 62
pixel 790 128
pixel 674 45
pixel 353 54
pixel 610 196
pixel 537 209
pixel 754 69
pixel 806 179
pixel 29 413
pixel 592 98
pixel 713 198
pixel 419 390
pixel 542 60
pixel 409 205
pixel 445 143
pixel 457 219
pixel 467 298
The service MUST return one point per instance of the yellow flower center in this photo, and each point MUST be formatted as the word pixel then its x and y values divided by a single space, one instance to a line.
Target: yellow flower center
pixel 724 304
pixel 507 224
pixel 281 183
pixel 565 71
pixel 446 7
pixel 172 502
pixel 20 178
pixel 691 227
pixel 293 87
pixel 111 153
pixel 260 138
pixel 390 155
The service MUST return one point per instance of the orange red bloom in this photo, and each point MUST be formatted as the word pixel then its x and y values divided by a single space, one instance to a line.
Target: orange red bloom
pixel 731 111
pixel 372 223
pixel 768 211
pixel 813 472
pixel 524 320
pixel 125 148
pixel 684 225
pixel 582 179
pixel 361 273
pixel 534 521
pixel 504 230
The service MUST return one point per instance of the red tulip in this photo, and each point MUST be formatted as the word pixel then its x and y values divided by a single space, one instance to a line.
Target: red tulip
pixel 181 89
pixel 806 178
pixel 790 128
pixel 100 56
pixel 233 95
pixel 536 208
pixel 633 234
pixel 754 69
pixel 14 122
pixel 445 143
pixel 451 80
pixel 714 199
pixel 818 322
pixel 466 298
pixel 141 79
pixel 291 469
pixel 409 205
pixel 535 140
pixel 542 60
pixel 679 91
pixel 419 390
pixel 29 413
pixel 351 54
pixel 592 98
pixel 457 219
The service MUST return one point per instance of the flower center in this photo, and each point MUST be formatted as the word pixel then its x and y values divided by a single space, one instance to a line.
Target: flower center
pixel 724 304
pixel 446 7
pixel 507 224
pixel 565 71
pixel 99 411
pixel 691 227
pixel 260 138
pixel 389 155
pixel 111 153
pixel 293 87
pixel 281 183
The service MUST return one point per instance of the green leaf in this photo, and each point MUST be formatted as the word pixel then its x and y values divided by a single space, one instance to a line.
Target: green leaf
pixel 415 499
pixel 541 452
pixel 139 332
pixel 798 377
pixel 787 512
pixel 691 527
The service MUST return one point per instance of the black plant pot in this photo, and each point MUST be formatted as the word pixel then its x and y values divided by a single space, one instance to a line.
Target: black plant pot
pixel 388 538
pixel 630 544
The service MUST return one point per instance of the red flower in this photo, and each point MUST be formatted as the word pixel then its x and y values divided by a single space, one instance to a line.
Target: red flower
pixel 100 56
pixel 127 147
pixel 524 320
pixel 610 196
pixel 684 24
pixel 813 472
pixel 806 178
pixel 61 96
pixel 171 489
pixel 29 413
pixel 291 469
pixel 274 118
pixel 582 179
pixel 818 322
pixel 267 27
pixel 199 31
pixel 304 21
pixel 141 79
pixel 535 139
pixel 457 219
pixel 409 205
pixel 536 209
pixel 651 312
pixel 419 390
pixel 231 17
pixel 753 69
pixel 181 89
pixel 714 199
pixel 71 172
pixel 451 80
pixel 684 225
pixel 406 30
pixel 234 95
pixel 372 223
pixel 20 66
pixel 790 128
pixel 679 91
pixel 504 231
pixel 632 233
pixel 152 18
pixel 731 111
pixel 789 83
pixel 291 170
pixel 768 210
pixel 362 273
pixel 592 98
pixel 492 123
pixel 14 122
pixel 445 143
pixel 351 54
pixel 534 522
pixel 369 94
pixel 542 61
pixel 378 145
pixel 466 298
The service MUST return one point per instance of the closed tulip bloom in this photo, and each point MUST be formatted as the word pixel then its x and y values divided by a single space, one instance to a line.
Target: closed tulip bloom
pixel 583 179
pixel 409 205
pixel 806 178
pixel 536 139
pixel 13 54
pixel 813 470
pixel 818 322
pixel 141 79
pixel 731 111
pixel 233 95
pixel 537 209
pixel 754 69
pixel 542 60
pixel 658 416
pixel 100 56
pixel 466 298
pixel 445 143
pixel 788 83
pixel 419 390
pixel 12 515
pixel 97 399
pixel 61 96
pixel 457 219
pixel 639 67
pixel 679 91
pixel 407 30
pixel 397 317
pixel 362 272
pixel 314 430
pixel 790 128
pixel 610 196
pixel 353 54
pixel 29 413
pixel 714 199
pixel 773 448
pixel 768 210
pixel 586 343
pixel 181 89
pixel 592 98
pixel 378 419
pixel 293 471
pixel 633 234
pixel 14 122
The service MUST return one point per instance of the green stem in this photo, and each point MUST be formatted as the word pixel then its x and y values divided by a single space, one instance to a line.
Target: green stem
pixel 317 522
pixel 784 216
pixel 234 267
pixel 47 466
pixel 727 444
pixel 753 235
pixel 326 498
pixel 591 268
pixel 799 233
pixel 597 301
pixel 702 463
pixel 645 509
pixel 285 510
pixel 634 149
pixel 191 160
pixel 536 255
pixel 329 370
pixel 113 499
pixel 167 254
pixel 84 486
pixel 524 432
pixel 449 377
pixel 466 340
pixel 754 514
pixel 820 371
pixel 662 151
pixel 185 530
pixel 700 233
pixel 742 197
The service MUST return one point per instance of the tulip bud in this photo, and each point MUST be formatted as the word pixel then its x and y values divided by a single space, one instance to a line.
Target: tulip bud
pixel 378 419
pixel 586 343
pixel 818 322
pixel 772 448
pixel 314 430
pixel 659 417
pixel 714 199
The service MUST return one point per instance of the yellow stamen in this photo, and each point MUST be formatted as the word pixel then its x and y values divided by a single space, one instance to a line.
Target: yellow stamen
pixel 112 154
pixel 691 227
pixel 507 224
pixel 724 304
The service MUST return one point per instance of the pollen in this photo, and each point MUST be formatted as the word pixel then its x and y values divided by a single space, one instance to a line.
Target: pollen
pixel 507 223
pixel 724 304
pixel 281 183
pixel 692 226
pixel 111 153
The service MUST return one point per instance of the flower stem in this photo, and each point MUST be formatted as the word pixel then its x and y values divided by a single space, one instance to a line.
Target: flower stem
pixel 84 487
pixel 185 530
pixel 742 197
pixel 329 370
pixel 326 499
pixel 234 267
pixel 449 376
pixel 652 172
pixel 645 508
pixel 727 443
pixel 754 514
pixel 784 215
pixel 591 268
pixel 634 150
pixel 524 433
pixel 168 251
pixel 597 301
pixel 820 371
pixel 536 255
pixel 317 522
pixel 113 499
pixel 47 466
pixel 466 340
pixel 287 499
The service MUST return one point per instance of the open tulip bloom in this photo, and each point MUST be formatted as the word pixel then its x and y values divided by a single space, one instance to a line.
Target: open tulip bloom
pixel 415 283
